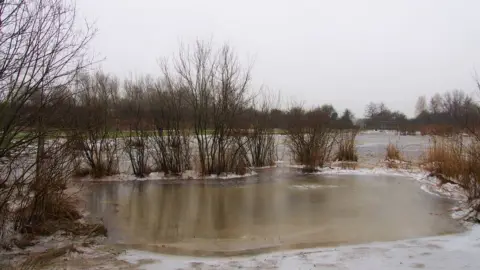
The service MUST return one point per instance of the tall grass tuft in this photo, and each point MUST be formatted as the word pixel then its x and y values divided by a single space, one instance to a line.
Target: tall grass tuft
pixel 457 160
pixel 346 146
pixel 393 153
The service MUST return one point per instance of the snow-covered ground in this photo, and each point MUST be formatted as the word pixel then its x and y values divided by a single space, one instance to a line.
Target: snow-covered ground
pixel 442 252
pixel 188 175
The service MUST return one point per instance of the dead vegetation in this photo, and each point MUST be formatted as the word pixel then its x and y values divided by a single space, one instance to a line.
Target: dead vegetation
pixel 261 144
pixel 136 144
pixel 455 158
pixel 94 127
pixel 42 53
pixel 456 161
pixel 310 138
pixel 346 150
pixel 393 157
pixel 216 93
pixel 447 157
pixel 392 152
pixel 171 138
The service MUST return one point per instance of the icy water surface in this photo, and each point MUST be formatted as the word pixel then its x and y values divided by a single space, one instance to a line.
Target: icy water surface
pixel 277 209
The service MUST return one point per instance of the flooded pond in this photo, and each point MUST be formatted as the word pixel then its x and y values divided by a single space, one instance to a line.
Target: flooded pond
pixel 276 209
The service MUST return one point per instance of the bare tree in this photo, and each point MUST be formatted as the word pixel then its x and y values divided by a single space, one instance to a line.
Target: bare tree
pixel 217 93
pixel 171 136
pixel 435 103
pixel 261 136
pixel 40 52
pixel 96 129
pixel 137 142
pixel 421 105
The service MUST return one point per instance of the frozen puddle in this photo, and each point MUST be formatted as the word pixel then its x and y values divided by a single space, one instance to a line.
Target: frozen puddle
pixel 435 253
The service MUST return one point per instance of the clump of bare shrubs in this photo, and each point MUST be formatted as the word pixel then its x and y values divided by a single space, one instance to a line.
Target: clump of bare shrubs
pixel 136 148
pixel 171 151
pixel 262 147
pixel 236 157
pixel 94 124
pixel 48 207
pixel 136 143
pixel 260 135
pixel 310 138
pixel 171 138
pixel 215 88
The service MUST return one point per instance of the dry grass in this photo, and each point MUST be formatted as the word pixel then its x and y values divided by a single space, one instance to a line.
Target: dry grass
pixel 346 146
pixel 447 157
pixel 393 153
pixel 452 160
pixel 57 213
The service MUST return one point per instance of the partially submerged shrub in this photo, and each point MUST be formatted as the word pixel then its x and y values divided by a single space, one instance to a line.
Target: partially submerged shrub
pixel 237 159
pixel 261 146
pixel 346 146
pixel 310 139
pixel 171 151
pixel 100 154
pixel 138 155
pixel 94 129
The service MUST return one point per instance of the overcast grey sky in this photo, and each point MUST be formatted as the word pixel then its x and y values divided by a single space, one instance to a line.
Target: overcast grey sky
pixel 347 53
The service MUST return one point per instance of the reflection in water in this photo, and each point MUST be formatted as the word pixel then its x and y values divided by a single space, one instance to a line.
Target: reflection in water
pixel 281 210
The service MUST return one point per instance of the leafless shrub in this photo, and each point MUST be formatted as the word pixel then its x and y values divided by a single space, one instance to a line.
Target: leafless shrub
pixel 95 131
pixel 48 200
pixel 171 138
pixel 40 54
pixel 310 138
pixel 261 136
pixel 216 91
pixel 136 143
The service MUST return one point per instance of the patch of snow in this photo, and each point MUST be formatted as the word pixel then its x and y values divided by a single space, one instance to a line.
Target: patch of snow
pixel 188 175
pixel 442 252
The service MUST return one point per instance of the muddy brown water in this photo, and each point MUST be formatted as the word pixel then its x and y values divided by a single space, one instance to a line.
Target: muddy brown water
pixel 274 210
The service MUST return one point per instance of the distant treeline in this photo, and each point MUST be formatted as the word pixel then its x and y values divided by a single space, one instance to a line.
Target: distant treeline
pixel 454 111
pixel 451 112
